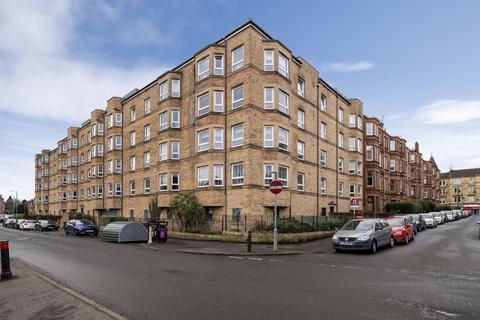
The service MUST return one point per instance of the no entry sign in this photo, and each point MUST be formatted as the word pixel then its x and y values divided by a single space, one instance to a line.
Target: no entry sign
pixel 354 202
pixel 275 187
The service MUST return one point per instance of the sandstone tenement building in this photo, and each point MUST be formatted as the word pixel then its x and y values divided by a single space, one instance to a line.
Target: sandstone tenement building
pixel 458 188
pixel 222 124
pixel 394 172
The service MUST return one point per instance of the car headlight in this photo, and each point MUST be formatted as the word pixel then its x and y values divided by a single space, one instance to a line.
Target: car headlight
pixel 334 237
pixel 363 237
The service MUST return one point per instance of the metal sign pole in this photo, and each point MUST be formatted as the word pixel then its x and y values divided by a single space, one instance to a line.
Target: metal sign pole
pixel 275 231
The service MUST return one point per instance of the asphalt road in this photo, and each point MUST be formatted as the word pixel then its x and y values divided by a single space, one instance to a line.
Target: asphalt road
pixel 437 276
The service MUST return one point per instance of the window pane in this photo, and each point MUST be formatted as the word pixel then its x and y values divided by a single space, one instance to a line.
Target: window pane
pixel 203 104
pixel 237 58
pixel 237 97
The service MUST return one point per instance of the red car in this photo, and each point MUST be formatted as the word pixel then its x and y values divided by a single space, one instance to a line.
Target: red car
pixel 402 229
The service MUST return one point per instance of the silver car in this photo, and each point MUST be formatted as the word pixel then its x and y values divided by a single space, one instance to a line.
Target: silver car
pixel 430 220
pixel 363 234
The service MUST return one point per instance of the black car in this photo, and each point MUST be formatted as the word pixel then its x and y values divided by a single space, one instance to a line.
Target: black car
pixel 46 225
pixel 419 222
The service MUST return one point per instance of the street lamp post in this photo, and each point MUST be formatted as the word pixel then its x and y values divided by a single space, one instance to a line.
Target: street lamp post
pixel 15 202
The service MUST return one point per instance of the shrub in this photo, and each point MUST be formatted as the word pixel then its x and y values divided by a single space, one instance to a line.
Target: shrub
pixel 404 207
pixel 187 210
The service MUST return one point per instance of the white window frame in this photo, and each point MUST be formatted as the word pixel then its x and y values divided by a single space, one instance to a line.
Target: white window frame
pixel 175 154
pixel 236 101
pixel 268 142
pixel 323 186
pixel 146 159
pixel 237 180
pixel 283 107
pixel 163 90
pixel 369 155
pixel 283 65
pixel 352 116
pixel 146 133
pixel 237 63
pixel 204 145
pixel 268 104
pixel 283 180
pixel 218 175
pixel 301 185
pixel 147 106
pixel 301 119
pixel 323 130
pixel 163 151
pixel 351 143
pixel 268 170
pixel 268 62
pixel 238 141
pixel 133 162
pixel 146 189
pixel 175 118
pixel 202 74
pixel 163 182
pixel 201 110
pixel 283 145
pixel 133 114
pixel 204 182
pixel 176 88
pixel 217 138
pixel 301 150
pixel 301 87
pixel 218 100
pixel 216 70
pixel 163 121
pixel 175 186
pixel 323 158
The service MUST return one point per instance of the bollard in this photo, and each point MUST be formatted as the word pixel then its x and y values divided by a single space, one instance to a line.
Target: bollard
pixel 5 255
pixel 249 241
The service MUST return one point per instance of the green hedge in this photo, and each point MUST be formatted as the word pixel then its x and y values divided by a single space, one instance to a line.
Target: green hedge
pixel 404 207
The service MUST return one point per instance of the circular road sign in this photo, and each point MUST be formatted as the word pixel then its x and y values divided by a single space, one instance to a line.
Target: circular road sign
pixel 275 187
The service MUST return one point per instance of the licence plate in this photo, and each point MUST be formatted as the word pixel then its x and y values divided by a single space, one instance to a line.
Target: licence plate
pixel 88 230
pixel 346 243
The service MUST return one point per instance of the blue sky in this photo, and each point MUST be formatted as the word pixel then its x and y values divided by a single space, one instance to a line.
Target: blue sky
pixel 416 63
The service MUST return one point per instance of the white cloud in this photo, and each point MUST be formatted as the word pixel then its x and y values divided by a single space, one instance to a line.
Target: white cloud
pixel 38 75
pixel 43 77
pixel 449 111
pixel 345 67
pixel 444 129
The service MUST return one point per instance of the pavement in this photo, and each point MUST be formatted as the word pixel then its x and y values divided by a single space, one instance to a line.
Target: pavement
pixel 28 296
pixel 437 276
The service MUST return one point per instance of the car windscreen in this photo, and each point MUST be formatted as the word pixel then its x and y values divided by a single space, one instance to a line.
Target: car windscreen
pixel 358 225
pixel 86 222
pixel 395 222
pixel 428 216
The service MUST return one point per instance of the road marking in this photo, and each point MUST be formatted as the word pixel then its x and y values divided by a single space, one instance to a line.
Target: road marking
pixel 235 257
pixel 275 260
pixel 23 239
pixel 255 259
pixel 77 295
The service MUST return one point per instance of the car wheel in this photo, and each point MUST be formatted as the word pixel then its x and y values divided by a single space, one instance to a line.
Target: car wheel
pixel 392 242
pixel 373 248
pixel 338 250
